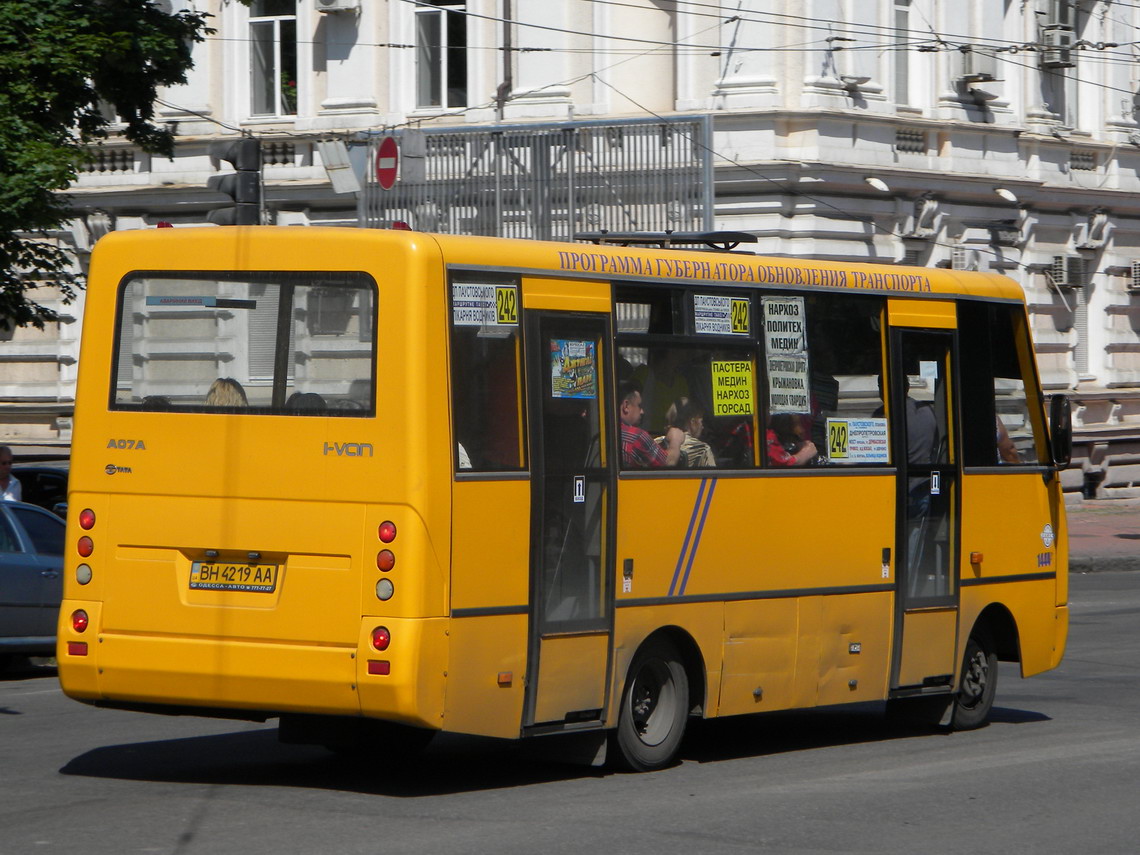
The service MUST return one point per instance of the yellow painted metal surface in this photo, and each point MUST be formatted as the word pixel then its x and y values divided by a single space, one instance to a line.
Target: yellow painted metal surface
pixel 936 314
pixel 486 675
pixel 929 645
pixel 1009 518
pixel 571 676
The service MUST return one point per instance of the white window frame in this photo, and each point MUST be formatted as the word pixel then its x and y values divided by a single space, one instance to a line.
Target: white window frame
pixel 440 100
pixel 275 22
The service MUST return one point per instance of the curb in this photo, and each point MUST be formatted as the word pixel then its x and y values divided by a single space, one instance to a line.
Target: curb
pixel 1103 563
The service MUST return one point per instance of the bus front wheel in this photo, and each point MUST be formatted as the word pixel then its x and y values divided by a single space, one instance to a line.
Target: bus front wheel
pixel 975 697
pixel 654 708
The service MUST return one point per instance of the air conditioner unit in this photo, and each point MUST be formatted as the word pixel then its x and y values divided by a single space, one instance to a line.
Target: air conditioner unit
pixel 1133 285
pixel 963 258
pixel 1067 271
pixel 977 66
pixel 337 5
pixel 1057 47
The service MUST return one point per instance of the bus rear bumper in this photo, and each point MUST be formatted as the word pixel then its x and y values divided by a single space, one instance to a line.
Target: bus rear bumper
pixel 262 677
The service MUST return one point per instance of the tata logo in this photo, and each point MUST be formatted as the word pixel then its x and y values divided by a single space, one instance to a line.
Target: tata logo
pixel 112 469
pixel 127 444
pixel 349 449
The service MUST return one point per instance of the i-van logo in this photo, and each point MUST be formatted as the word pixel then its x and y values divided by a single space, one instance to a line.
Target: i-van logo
pixel 349 449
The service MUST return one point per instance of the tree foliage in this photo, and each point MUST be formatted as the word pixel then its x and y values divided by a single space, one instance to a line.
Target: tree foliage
pixel 68 69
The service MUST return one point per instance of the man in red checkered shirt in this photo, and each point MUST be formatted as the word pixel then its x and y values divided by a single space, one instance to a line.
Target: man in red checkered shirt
pixel 638 450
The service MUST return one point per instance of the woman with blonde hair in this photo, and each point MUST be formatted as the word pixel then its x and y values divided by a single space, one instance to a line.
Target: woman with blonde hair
pixel 685 414
pixel 226 392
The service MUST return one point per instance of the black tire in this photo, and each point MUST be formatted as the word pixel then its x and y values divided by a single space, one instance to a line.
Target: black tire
pixel 978 685
pixel 654 708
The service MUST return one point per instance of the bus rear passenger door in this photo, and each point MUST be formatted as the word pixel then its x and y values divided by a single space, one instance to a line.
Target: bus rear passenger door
pixel 926 543
pixel 571 601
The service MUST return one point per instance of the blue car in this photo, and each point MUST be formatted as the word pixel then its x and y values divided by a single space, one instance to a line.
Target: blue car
pixel 31 583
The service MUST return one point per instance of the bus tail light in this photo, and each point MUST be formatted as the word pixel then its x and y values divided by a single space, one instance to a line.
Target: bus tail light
pixel 385 560
pixel 387 531
pixel 85 546
pixel 385 589
pixel 381 638
pixel 87 519
pixel 79 620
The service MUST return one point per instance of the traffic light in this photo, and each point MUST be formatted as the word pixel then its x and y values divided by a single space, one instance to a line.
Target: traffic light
pixel 243 185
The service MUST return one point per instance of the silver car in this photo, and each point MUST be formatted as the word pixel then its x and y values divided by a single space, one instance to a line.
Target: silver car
pixel 31 584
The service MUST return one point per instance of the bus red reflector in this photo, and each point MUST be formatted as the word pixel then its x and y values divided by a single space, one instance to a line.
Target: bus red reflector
pixel 381 638
pixel 379 666
pixel 77 648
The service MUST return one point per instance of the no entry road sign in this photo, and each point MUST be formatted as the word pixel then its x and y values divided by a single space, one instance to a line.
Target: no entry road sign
pixel 387 163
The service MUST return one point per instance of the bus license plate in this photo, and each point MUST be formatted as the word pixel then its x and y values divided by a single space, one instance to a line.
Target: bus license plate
pixel 210 576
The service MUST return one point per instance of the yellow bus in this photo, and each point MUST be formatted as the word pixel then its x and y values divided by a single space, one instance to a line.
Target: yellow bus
pixel 381 484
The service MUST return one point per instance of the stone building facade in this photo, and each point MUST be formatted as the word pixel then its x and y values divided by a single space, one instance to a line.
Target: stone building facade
pixel 977 134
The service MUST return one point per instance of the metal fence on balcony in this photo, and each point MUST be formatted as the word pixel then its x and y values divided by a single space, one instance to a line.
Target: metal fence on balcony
pixel 548 181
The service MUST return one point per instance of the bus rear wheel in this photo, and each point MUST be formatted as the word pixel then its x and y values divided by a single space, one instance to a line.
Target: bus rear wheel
pixel 654 708
pixel 975 696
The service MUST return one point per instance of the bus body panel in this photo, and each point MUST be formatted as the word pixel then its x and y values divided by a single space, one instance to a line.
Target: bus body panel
pixel 304 494
pixel 1009 522
pixel 485 675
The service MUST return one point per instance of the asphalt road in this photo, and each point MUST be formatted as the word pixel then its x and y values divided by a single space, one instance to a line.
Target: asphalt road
pixel 1058 770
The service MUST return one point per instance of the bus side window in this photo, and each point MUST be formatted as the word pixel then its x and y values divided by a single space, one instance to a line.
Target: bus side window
pixel 999 428
pixel 823 361
pixel 486 409
pixel 709 394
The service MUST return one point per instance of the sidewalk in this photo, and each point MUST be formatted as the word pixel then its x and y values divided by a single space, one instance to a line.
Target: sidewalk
pixel 1104 534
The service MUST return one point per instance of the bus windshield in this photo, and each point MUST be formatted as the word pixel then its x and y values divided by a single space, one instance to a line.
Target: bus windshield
pixel 261 343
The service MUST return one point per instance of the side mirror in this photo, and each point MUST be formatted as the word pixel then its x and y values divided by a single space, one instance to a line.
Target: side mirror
pixel 1061 430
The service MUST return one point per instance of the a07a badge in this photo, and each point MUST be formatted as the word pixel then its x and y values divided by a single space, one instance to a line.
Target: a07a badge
pixel 127 444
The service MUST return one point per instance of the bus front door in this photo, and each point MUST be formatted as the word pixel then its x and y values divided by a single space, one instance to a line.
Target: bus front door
pixel 571 604
pixel 926 615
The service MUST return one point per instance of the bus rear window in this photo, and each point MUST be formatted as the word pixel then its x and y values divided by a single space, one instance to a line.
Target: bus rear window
pixel 295 343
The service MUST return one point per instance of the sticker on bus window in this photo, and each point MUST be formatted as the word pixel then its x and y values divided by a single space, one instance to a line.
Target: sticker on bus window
pixel 784 328
pixel 207 302
pixel 857 441
pixel 484 305
pixel 788 384
pixel 721 315
pixel 573 369
pixel 732 388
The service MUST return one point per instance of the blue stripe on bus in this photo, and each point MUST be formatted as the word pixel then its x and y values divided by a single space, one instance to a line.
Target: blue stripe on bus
pixel 697 541
pixel 688 535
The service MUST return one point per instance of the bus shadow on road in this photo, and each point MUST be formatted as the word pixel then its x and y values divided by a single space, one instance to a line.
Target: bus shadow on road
pixel 453 764
pixel 255 758
pixel 803 730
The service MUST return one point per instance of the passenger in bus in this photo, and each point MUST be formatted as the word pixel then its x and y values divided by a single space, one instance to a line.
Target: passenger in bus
pixel 306 402
pixel 226 392
pixel 786 445
pixel 1006 451
pixel 638 450
pixel 688 416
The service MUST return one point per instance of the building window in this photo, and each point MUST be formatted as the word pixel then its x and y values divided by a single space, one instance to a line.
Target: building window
pixel 273 57
pixel 441 54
